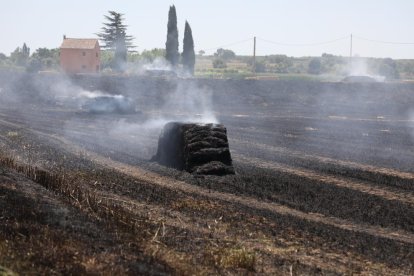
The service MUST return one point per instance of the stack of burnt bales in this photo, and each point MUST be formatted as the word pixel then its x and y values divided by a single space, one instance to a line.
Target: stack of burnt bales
pixel 196 148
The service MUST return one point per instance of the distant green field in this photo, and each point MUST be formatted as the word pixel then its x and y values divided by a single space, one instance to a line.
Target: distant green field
pixel 236 69
pixel 289 68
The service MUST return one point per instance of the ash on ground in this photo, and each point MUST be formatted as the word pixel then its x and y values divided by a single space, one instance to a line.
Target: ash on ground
pixel 201 149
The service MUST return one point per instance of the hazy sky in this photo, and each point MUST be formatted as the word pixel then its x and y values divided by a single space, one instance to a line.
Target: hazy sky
pixel 216 23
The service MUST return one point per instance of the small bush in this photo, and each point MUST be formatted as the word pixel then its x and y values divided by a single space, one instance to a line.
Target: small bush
pixel 219 63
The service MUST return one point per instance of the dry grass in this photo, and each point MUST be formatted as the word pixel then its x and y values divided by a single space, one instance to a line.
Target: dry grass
pixel 232 258
pixel 192 204
pixel 3 270
pixel 12 134
pixel 6 272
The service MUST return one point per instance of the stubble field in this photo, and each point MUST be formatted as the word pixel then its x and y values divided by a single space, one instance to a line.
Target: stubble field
pixel 323 184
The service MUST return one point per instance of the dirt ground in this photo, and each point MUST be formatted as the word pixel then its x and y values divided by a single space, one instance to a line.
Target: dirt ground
pixel 323 185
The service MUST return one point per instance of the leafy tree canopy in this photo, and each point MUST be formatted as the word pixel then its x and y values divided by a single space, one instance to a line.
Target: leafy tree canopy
pixel 225 54
pixel 153 53
pixel 388 69
pixel 315 66
pixel 113 33
pixel 20 56
pixel 201 53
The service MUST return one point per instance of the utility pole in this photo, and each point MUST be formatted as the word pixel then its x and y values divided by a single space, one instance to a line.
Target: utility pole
pixel 350 53
pixel 254 55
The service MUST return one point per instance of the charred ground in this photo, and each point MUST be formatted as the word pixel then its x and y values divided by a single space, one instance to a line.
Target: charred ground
pixel 323 184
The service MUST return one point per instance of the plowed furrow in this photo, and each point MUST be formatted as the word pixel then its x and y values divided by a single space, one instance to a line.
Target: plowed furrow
pixel 247 202
pixel 357 170
pixel 353 184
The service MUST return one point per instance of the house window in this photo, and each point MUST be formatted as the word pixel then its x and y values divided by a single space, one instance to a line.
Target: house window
pixel 96 54
pixel 83 54
pixel 97 68
pixel 83 66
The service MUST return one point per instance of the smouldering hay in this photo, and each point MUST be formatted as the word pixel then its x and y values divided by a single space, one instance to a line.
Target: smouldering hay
pixel 197 148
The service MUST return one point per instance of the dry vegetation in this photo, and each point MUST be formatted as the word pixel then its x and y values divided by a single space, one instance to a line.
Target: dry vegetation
pixel 312 194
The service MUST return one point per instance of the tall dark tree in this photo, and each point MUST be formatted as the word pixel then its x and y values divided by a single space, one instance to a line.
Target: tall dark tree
pixel 171 46
pixel 26 50
pixel 188 56
pixel 114 37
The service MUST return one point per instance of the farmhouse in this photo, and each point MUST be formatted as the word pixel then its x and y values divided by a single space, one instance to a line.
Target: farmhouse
pixel 80 55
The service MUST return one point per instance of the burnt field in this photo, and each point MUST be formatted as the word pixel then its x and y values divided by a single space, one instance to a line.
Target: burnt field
pixel 323 184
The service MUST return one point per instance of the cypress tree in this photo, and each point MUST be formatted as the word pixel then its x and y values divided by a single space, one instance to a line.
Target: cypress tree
pixel 25 50
pixel 188 56
pixel 171 46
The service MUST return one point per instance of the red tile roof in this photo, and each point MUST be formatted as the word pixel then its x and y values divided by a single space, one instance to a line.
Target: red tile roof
pixel 79 43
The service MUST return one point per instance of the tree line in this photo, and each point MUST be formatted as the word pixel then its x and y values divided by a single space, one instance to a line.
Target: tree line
pixel 326 64
pixel 117 48
pixel 22 59
pixel 114 38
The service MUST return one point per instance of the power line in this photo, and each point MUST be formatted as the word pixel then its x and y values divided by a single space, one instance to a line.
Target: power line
pixel 303 44
pixel 384 42
pixel 310 44
pixel 230 44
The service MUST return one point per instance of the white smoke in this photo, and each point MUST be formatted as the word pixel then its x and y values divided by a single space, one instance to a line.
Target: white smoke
pixel 410 122
pixel 156 102
pixel 158 63
pixel 188 103
pixel 192 104
pixel 158 67
pixel 145 66
pixel 359 67
pixel 185 102
pixel 66 93
pixel 65 89
pixel 91 94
